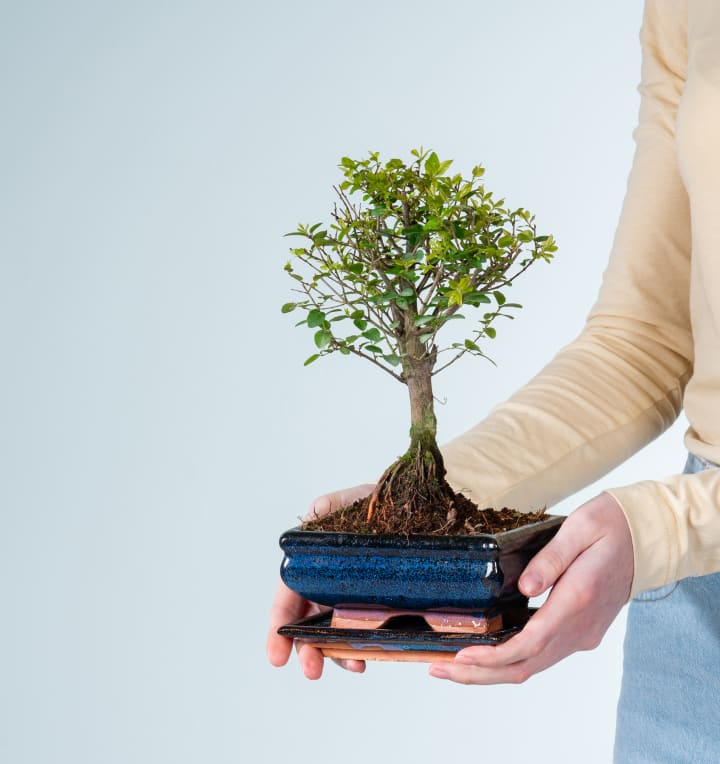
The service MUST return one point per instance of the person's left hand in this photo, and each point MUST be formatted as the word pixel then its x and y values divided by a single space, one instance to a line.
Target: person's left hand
pixel 589 564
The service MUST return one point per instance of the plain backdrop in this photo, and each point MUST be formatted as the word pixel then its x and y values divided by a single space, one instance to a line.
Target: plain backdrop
pixel 157 428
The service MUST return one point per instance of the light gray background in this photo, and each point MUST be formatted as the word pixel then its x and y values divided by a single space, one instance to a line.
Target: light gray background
pixel 157 429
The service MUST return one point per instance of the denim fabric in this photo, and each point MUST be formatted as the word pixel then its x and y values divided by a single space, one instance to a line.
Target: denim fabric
pixel 669 708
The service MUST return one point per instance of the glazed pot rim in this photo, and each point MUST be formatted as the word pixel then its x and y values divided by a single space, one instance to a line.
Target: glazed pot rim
pixel 505 540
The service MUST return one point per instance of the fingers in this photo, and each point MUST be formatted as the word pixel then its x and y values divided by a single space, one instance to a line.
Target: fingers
pixel 287 607
pixel 311 660
pixel 590 566
pixel 543 571
pixel 356 666
pixel 513 662
pixel 529 644
pixel 323 505
pixel 454 672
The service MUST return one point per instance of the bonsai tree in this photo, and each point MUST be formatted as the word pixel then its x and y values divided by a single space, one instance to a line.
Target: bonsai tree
pixel 409 248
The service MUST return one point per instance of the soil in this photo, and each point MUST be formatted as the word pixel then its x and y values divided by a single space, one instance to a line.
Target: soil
pixel 453 515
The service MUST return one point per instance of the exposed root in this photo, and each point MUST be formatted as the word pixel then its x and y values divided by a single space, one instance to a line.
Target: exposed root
pixel 413 498
pixel 408 488
pixel 383 489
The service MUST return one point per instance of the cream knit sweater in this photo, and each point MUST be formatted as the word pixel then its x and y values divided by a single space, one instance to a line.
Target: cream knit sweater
pixel 651 344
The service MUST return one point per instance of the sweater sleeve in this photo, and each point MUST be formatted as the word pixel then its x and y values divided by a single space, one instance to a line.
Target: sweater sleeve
pixel 621 382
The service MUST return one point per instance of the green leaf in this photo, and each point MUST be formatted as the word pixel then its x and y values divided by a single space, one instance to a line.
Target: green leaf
pixel 373 348
pixel 500 297
pixel 311 359
pixel 361 324
pixel 373 334
pixel 470 345
pixel 426 337
pixel 392 359
pixel 315 318
pixel 422 320
pixel 490 332
pixel 413 233
pixel 432 164
pixel 476 298
pixel 323 338
pixel 460 232
pixel 289 307
pixel 455 297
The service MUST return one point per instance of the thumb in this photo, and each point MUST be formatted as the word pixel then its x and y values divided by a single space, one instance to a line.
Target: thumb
pixel 324 505
pixel 551 561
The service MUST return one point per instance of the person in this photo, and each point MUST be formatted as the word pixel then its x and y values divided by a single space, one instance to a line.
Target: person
pixel 650 346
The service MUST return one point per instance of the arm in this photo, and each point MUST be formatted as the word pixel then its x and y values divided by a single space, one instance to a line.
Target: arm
pixel 603 397
pixel 621 382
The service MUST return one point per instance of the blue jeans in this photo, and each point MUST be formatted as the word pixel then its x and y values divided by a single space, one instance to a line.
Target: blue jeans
pixel 669 708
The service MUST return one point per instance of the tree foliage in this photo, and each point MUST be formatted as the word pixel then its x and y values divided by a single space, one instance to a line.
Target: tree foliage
pixel 410 247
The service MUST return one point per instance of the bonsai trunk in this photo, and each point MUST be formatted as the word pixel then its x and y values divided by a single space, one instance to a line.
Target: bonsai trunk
pixel 415 483
pixel 412 497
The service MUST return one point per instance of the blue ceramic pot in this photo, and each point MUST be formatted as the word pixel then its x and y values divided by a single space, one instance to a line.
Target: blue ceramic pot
pixel 469 573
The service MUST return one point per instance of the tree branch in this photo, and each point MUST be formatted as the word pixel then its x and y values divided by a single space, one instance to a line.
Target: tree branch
pixel 377 363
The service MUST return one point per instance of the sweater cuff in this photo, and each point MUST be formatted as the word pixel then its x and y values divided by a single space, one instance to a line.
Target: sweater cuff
pixel 652 528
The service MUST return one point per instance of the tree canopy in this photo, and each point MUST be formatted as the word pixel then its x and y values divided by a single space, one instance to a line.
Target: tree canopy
pixel 408 247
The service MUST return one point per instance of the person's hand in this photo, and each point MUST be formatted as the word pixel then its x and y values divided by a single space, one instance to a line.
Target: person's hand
pixel 589 564
pixel 289 606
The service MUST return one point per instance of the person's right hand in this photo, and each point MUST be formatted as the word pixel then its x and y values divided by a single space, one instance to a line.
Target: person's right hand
pixel 289 606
